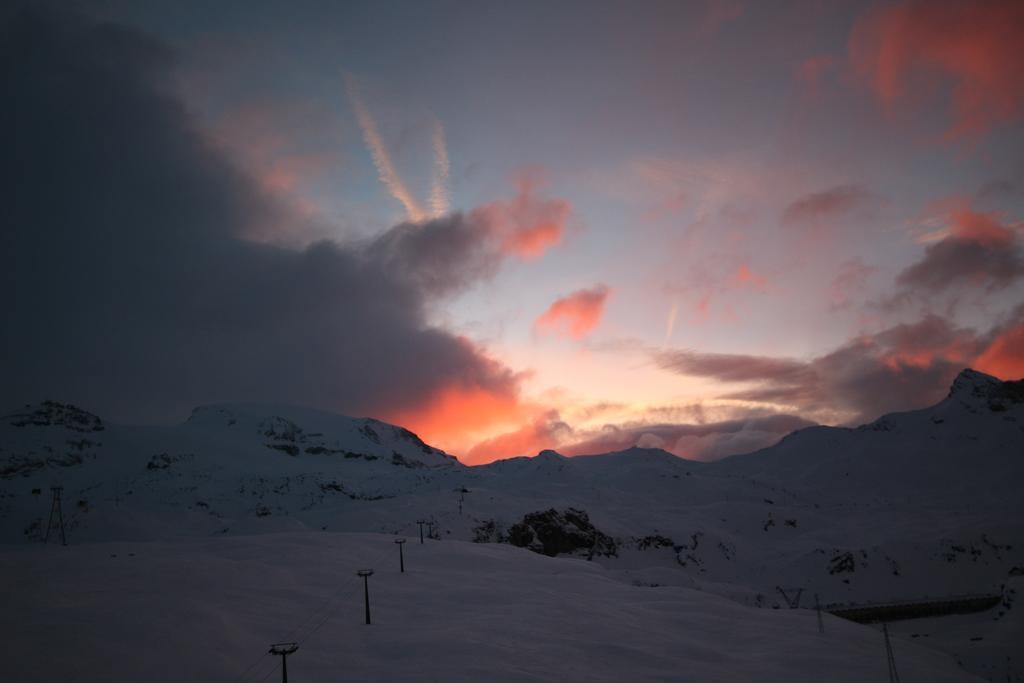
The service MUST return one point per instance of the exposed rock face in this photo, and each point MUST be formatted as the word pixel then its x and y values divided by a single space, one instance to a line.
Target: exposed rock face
pixel 973 387
pixel 489 531
pixel 50 413
pixel 552 533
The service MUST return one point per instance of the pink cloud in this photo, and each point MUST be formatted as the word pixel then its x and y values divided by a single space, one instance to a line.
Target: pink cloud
pixel 979 227
pixel 812 70
pixel 575 315
pixel 745 277
pixel 531 243
pixel 528 225
pixel 716 14
pixel 976 46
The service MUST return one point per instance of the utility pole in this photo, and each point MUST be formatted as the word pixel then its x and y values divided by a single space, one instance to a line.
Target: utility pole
pixel 421 522
pixel 283 650
pixel 55 511
pixel 817 606
pixel 366 574
pixel 401 554
pixel 894 676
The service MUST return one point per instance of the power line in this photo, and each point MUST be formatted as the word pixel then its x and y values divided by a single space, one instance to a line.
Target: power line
pixel 351 592
pixel 327 609
pixel 252 666
pixel 894 676
pixel 269 673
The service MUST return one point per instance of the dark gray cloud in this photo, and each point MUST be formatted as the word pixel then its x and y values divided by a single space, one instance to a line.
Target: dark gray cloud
pixel 439 257
pixel 129 285
pixel 828 204
pixel 978 251
pixel 733 367
pixel 1000 188
pixel 903 367
pixel 955 261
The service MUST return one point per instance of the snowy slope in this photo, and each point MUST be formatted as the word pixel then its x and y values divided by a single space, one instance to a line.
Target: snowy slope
pixel 965 450
pixel 205 610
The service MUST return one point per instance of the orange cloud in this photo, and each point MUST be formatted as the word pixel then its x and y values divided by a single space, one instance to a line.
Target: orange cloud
pixel 544 431
pixel 575 315
pixel 1004 357
pixel 450 417
pixel 982 228
pixel 464 406
pixel 528 225
pixel 976 45
pixel 532 242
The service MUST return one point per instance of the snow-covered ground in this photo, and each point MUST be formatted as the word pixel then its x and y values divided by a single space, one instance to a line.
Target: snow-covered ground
pixel 915 505
pixel 206 610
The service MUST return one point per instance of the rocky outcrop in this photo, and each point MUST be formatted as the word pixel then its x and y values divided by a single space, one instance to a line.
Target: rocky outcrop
pixel 552 532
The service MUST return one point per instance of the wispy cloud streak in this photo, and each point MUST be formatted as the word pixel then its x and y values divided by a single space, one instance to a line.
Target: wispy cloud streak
pixel 381 159
pixel 670 323
pixel 439 197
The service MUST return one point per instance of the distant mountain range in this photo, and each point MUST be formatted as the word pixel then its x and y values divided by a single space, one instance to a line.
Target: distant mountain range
pixel 923 502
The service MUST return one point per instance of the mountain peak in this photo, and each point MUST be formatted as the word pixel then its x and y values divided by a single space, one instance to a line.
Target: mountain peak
pixel 971 383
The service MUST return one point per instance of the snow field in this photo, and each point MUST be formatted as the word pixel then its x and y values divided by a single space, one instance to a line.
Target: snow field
pixel 206 610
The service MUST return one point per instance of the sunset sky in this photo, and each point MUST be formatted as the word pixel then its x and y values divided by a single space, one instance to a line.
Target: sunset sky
pixel 511 226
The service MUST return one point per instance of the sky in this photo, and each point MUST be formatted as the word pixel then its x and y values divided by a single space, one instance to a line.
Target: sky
pixel 514 226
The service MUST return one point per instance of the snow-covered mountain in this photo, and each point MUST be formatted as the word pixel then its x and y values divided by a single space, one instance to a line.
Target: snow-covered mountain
pixel 917 504
pixel 226 466
pixel 966 450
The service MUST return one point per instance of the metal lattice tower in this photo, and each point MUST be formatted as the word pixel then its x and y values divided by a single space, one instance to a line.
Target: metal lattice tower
pixel 791 595
pixel 56 512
